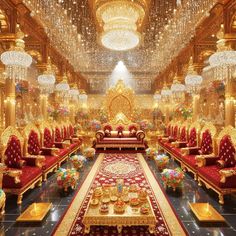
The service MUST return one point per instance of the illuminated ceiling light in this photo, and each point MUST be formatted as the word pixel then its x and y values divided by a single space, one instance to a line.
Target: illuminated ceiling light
pixel 165 93
pixel 178 90
pixel 157 96
pixel 47 79
pixel 16 59
pixel 120 21
pixel 193 81
pixel 83 97
pixel 63 86
pixel 224 54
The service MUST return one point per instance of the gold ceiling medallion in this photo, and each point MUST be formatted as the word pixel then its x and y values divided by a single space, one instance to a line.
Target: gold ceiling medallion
pixel 120 22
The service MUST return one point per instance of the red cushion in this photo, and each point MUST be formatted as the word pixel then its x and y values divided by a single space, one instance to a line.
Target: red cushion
pixel 211 174
pixel 227 151
pixel 29 173
pixel 175 132
pixel 71 130
pixel 183 134
pixel 206 145
pixel 192 138
pixel 58 136
pixel 50 161
pixel 33 143
pixel 177 152
pixel 74 146
pixel 48 139
pixel 168 130
pixel 13 152
pixel 107 127
pixel 63 152
pixel 190 161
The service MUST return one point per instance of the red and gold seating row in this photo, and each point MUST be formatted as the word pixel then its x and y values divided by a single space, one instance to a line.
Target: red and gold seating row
pixel 28 156
pixel 208 154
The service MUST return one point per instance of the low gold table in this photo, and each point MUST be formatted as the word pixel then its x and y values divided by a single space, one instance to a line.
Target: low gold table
pixel 131 217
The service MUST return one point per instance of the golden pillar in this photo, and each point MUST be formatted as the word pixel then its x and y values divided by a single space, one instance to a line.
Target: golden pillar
pixel 230 103
pixel 43 105
pixel 196 107
pixel 167 115
pixel 72 113
pixel 10 103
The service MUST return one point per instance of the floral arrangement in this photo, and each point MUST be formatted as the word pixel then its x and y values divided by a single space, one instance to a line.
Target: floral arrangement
pixel 82 114
pixel 216 86
pixel 64 111
pixel 151 152
pixel 67 178
pixel 145 125
pixel 89 152
pixel 184 112
pixel 120 128
pixel 172 178
pixel 77 161
pixel 22 87
pixel 136 115
pixel 103 116
pixel 95 125
pixel 161 161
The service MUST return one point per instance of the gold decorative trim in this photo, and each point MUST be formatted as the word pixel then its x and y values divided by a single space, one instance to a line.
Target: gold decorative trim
pixel 229 130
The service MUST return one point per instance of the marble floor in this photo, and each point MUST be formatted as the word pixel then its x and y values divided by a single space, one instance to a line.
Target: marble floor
pixel 49 192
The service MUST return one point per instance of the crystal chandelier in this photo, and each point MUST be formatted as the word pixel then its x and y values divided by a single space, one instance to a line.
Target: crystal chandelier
pixel 193 80
pixel 166 93
pixel 223 61
pixel 120 21
pixel 16 59
pixel 47 79
pixel 178 90
pixel 74 93
pixel 63 87
pixel 83 97
pixel 157 96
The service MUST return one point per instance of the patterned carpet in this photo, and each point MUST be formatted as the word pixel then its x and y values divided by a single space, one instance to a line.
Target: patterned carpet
pixel 133 169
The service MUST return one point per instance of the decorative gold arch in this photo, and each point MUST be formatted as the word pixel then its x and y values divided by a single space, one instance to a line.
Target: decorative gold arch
pixel 120 100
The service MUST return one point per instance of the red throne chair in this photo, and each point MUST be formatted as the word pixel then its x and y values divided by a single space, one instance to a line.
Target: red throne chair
pixel 33 148
pixel 182 137
pixel 205 148
pixel 22 173
pixel 164 138
pixel 181 147
pixel 219 172
pixel 69 134
pixel 49 147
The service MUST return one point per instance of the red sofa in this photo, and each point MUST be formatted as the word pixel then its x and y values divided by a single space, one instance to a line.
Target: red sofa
pixel 119 138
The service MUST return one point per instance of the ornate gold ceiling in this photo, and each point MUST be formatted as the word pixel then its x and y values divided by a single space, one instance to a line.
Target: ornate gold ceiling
pixel 74 28
pixel 83 14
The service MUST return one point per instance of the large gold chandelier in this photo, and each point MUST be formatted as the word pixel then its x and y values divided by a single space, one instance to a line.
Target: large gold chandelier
pixel 120 22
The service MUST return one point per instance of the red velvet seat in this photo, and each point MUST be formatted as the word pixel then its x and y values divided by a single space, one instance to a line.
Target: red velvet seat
pixel 219 172
pixel 33 148
pixel 29 175
pixel 51 148
pixel 22 173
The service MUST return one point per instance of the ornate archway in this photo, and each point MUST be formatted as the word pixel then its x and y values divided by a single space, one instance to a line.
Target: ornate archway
pixel 120 102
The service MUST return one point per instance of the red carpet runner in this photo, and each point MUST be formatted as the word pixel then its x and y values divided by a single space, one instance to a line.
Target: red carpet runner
pixel 132 169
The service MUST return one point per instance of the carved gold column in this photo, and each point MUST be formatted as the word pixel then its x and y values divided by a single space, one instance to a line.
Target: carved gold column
pixel 167 115
pixel 10 103
pixel 230 103
pixel 196 107
pixel 43 105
